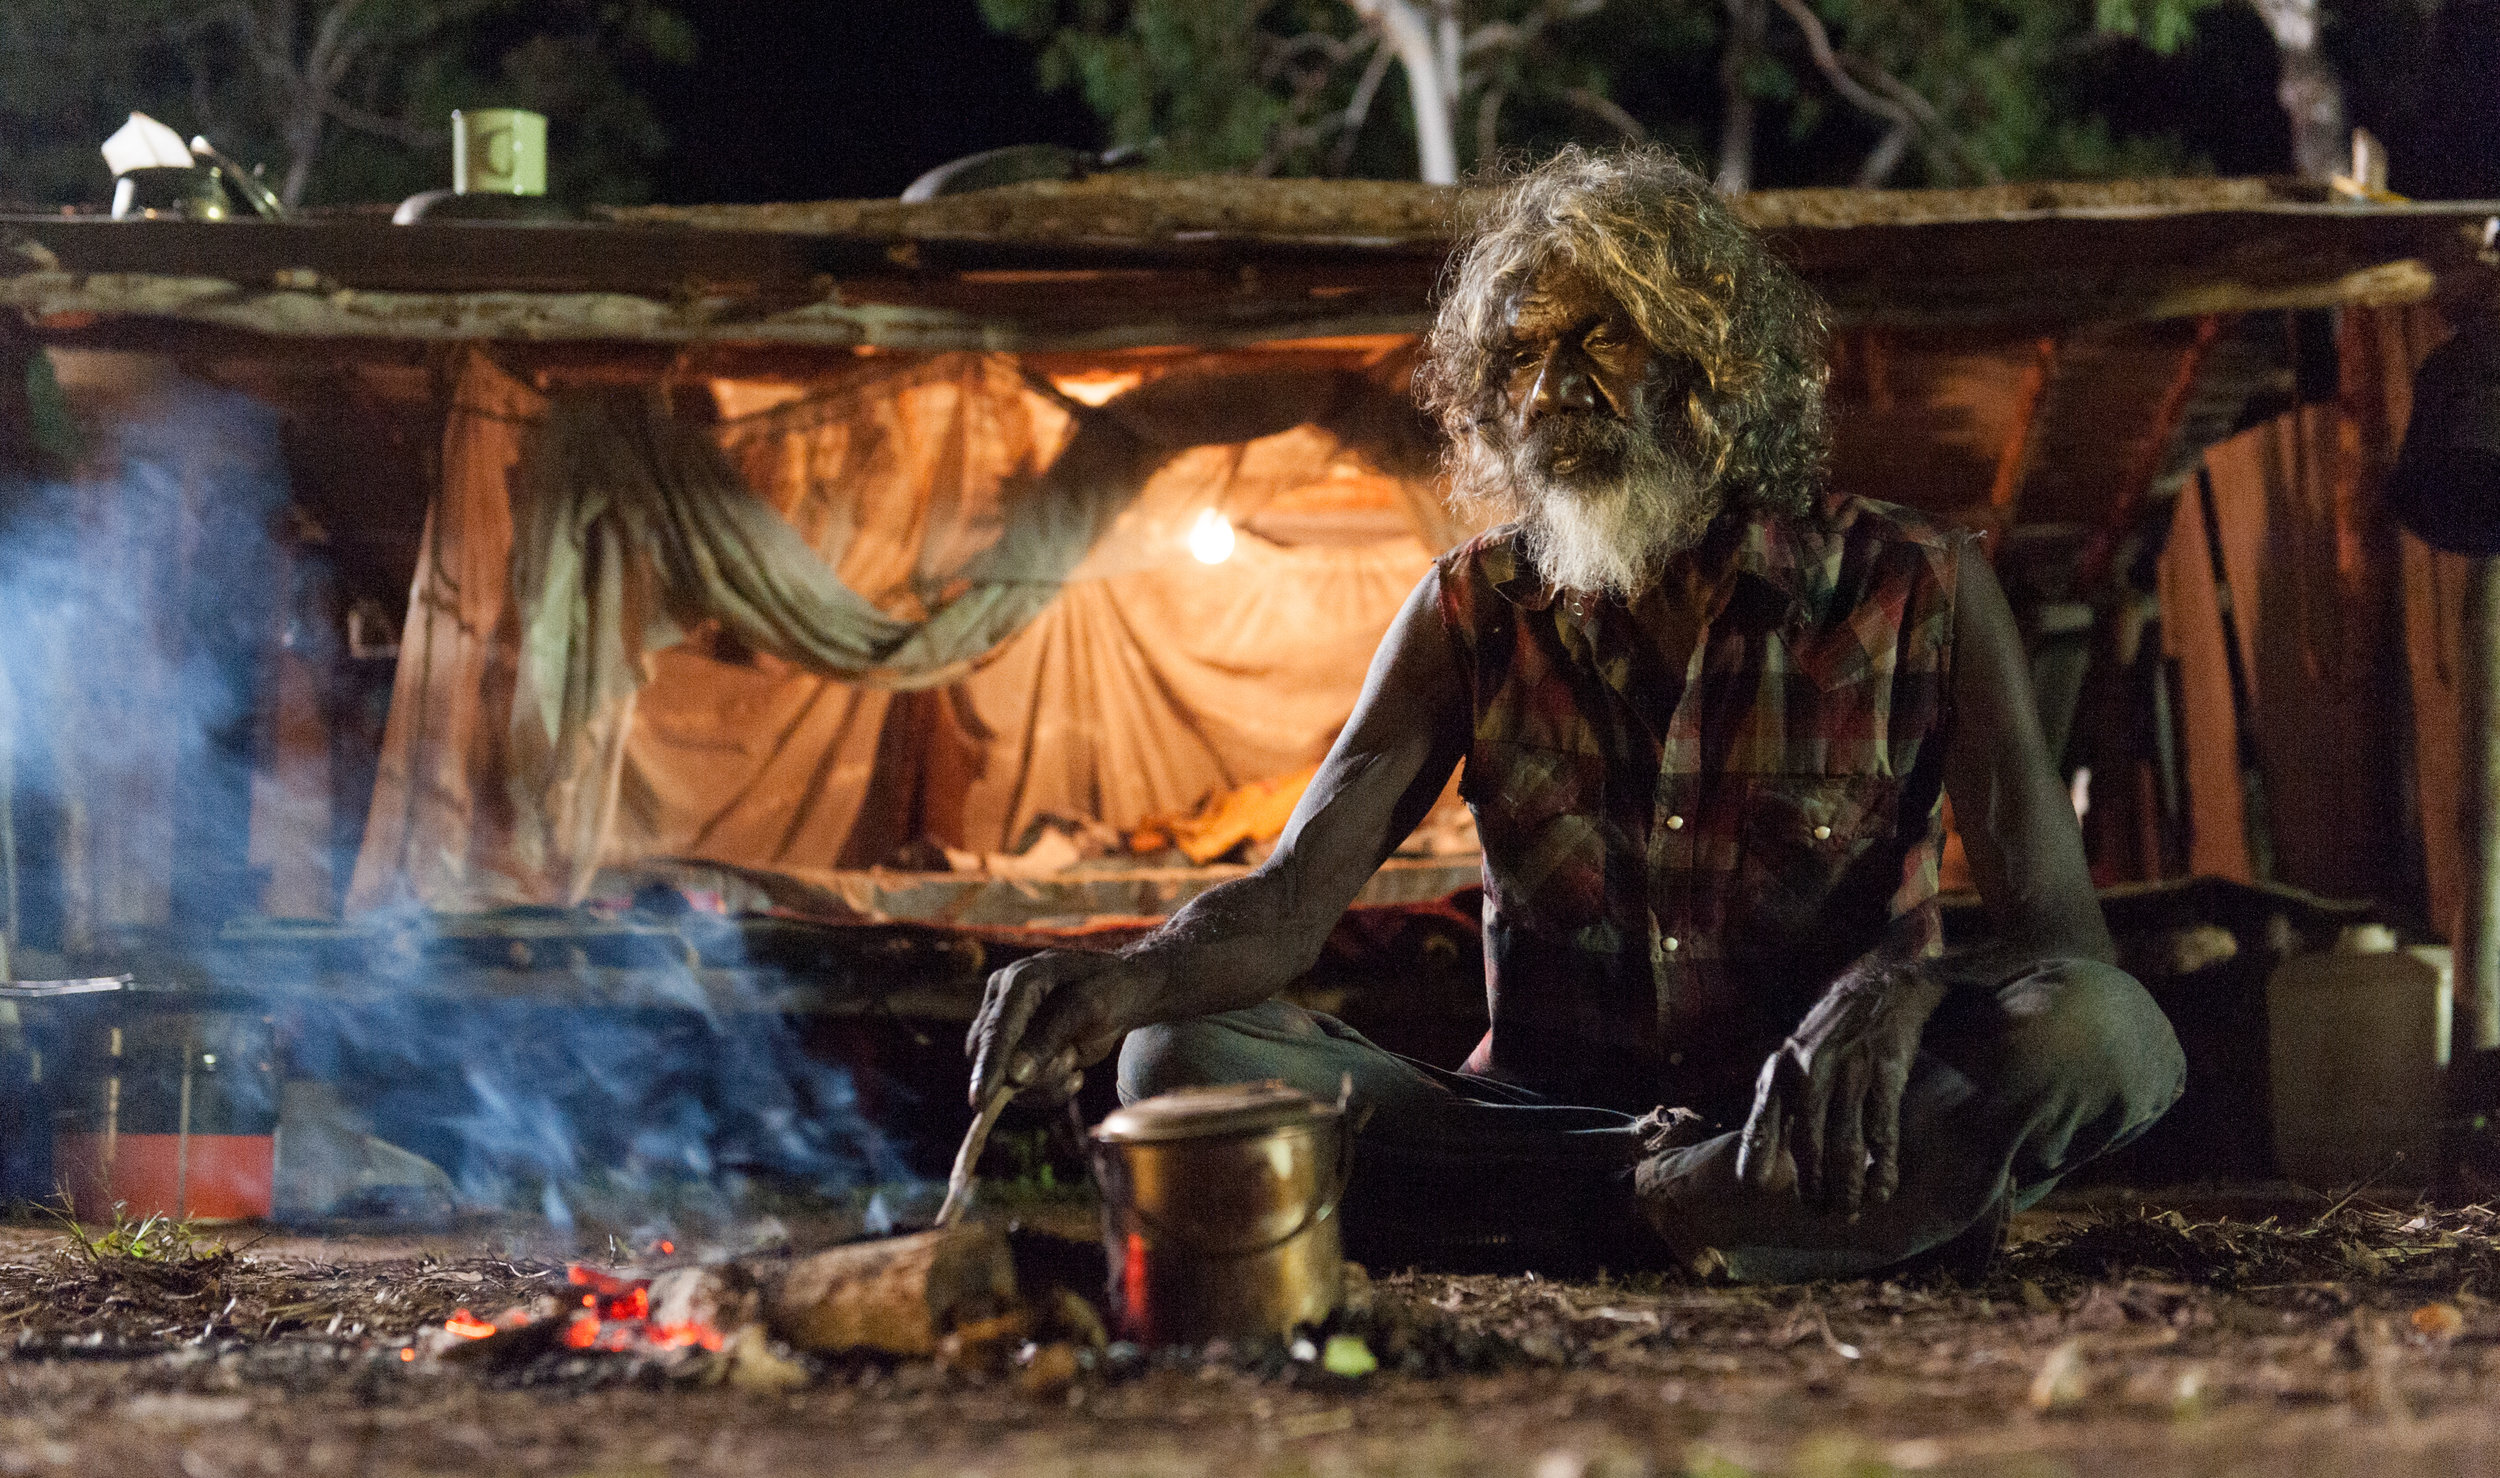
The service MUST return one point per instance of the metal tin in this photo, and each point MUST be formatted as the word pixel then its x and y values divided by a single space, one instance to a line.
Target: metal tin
pixel 192 194
pixel 1219 1211
pixel 168 1113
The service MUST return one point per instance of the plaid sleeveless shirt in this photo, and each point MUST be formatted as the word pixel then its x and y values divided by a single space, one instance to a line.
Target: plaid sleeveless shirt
pixel 1699 807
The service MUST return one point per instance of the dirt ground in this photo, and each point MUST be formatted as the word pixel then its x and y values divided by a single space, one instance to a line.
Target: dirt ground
pixel 2117 1339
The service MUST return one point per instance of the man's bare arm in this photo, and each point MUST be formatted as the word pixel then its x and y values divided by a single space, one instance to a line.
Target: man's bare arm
pixel 1047 1017
pixel 2016 819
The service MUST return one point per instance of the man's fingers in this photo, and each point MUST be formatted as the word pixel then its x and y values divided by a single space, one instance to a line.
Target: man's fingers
pixel 1055 1082
pixel 1018 994
pixel 1812 1130
pixel 1844 1164
pixel 1883 1134
pixel 1757 1150
pixel 1069 1032
pixel 1062 1031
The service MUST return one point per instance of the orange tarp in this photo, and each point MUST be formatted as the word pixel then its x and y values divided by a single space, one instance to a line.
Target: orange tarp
pixel 1148 682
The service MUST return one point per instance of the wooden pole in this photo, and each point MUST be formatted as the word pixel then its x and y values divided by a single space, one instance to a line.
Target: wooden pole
pixel 2478 933
pixel 2473 1083
pixel 2256 814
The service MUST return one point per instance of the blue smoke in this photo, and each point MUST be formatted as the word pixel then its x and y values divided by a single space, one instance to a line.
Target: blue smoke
pixel 139 600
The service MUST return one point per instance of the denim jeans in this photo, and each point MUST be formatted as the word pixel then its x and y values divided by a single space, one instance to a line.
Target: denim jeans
pixel 2017 1081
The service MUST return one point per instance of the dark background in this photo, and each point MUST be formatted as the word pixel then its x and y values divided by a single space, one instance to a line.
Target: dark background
pixel 856 98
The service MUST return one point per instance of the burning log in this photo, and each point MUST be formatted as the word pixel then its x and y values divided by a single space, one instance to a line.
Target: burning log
pixel 725 1297
pixel 948 1293
pixel 899 1296
pixel 751 1364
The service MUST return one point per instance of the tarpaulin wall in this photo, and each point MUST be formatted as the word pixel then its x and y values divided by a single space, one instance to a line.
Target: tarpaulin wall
pixel 927 596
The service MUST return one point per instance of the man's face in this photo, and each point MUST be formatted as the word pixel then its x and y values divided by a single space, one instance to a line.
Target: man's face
pixel 1606 488
pixel 1582 379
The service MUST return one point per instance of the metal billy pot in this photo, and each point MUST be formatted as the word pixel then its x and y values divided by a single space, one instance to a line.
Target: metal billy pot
pixel 1220 1211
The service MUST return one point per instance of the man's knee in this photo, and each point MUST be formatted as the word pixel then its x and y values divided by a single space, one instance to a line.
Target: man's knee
pixel 1173 1054
pixel 1234 1047
pixel 2088 1033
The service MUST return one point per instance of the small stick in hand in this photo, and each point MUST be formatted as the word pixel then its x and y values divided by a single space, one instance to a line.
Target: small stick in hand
pixel 959 1180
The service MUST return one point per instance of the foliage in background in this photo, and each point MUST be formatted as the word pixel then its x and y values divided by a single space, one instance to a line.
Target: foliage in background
pixel 1203 76
pixel 1903 91
pixel 1999 74
pixel 341 101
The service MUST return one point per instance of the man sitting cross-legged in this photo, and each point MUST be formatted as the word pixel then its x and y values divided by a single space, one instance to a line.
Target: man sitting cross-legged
pixel 1708 713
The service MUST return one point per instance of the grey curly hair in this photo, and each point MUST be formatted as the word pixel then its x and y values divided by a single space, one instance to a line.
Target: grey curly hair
pixel 1697 282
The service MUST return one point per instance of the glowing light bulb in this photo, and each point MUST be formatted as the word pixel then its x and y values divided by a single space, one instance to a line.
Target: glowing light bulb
pixel 1211 538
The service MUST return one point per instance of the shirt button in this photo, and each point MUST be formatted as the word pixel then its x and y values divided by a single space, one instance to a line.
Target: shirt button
pixel 1675 1059
pixel 1675 823
pixel 1672 943
pixel 1822 833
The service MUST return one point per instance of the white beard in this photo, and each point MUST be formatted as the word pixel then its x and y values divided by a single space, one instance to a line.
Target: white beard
pixel 1611 537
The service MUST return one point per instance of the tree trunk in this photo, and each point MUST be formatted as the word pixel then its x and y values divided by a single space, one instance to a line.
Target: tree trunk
pixel 1410 36
pixel 1747 20
pixel 303 146
pixel 2311 93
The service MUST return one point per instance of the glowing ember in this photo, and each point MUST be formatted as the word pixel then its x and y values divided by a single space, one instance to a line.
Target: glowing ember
pixel 609 1296
pixel 678 1336
pixel 613 1314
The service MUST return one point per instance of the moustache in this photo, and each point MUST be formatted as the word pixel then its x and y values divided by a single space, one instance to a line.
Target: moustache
pixel 1581 442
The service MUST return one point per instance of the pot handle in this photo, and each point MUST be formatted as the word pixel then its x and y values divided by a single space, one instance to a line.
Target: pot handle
pixel 1111 1178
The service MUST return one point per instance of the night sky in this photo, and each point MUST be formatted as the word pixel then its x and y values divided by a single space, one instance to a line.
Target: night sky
pixel 810 100
pixel 794 101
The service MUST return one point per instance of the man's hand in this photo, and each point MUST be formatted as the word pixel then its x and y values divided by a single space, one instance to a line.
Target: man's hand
pixel 1048 1017
pixel 1830 1097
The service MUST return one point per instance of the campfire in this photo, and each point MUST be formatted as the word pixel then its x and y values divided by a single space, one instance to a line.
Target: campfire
pixel 776 1321
pixel 608 1312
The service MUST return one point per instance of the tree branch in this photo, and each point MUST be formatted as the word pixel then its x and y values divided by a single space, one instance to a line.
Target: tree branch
pixel 1488 125
pixel 1819 45
pixel 272 59
pixel 1927 115
pixel 1899 106
pixel 414 135
pixel 1282 51
pixel 334 45
pixel 1885 157
pixel 1609 111
pixel 1358 111
pixel 1510 35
